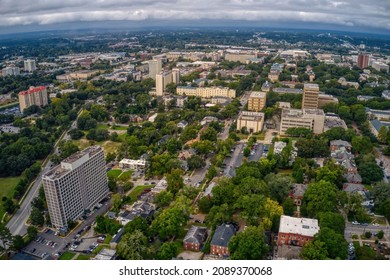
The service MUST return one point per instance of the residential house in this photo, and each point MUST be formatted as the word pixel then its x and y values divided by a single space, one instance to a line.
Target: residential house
pixel 353 178
pixel 296 231
pixel 297 192
pixel 195 238
pixel 337 144
pixel 219 243
pixel 139 209
pixel 352 188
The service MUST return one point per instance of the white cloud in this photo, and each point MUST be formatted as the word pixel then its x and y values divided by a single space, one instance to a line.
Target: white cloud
pixel 374 13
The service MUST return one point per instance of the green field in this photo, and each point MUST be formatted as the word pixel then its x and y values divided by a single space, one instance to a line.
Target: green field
pixel 114 173
pixel 83 257
pixel 137 191
pixel 7 186
pixel 125 175
pixel 105 126
pixel 109 146
pixel 67 256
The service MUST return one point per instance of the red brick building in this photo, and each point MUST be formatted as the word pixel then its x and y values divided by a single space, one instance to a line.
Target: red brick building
pixel 296 231
pixel 195 238
pixel 219 243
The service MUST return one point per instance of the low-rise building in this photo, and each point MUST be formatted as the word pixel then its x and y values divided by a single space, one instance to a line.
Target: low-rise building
pixel 133 164
pixel 195 238
pixel 380 66
pixel 386 94
pixel 324 99
pixel 105 255
pixel 378 114
pixel 297 231
pixel 337 144
pixel 297 192
pixel 180 100
pixel 221 100
pixel 206 92
pixel 333 120
pixel 353 178
pixel 375 126
pixel 353 188
pixel 219 245
pixel 141 209
pixel 312 119
pixel 279 146
pixel 253 121
pixel 284 105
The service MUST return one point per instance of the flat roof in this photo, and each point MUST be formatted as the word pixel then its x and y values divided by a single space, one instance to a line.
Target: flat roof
pixel 300 226
pixel 311 86
pixel 259 94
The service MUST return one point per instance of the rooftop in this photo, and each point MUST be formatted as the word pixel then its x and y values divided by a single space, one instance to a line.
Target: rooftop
pixel 300 226
pixel 248 115
pixel 258 94
pixel 195 235
pixel 311 86
pixel 222 235
pixel 32 90
pixel 298 113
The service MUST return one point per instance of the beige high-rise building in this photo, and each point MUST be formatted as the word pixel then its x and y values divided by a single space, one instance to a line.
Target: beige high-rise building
pixel 165 78
pixel 312 119
pixel 310 96
pixel 33 96
pixel 253 121
pixel 155 67
pixel 257 101
pixel 77 184
pixel 206 92
pixel 324 99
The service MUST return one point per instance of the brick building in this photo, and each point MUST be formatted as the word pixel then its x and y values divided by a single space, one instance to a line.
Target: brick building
pixel 296 231
pixel 219 243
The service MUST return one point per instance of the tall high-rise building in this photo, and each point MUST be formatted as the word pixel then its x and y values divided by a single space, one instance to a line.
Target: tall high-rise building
pixel 155 67
pixel 10 71
pixel 256 101
pixel 30 65
pixel 77 184
pixel 33 96
pixel 362 61
pixel 310 96
pixel 165 78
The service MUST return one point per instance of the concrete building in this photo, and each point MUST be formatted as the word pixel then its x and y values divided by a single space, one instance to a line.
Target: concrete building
pixel 30 65
pixel 324 99
pixel 296 231
pixel 362 61
pixel 309 118
pixel 279 146
pixel 380 66
pixel 378 114
pixel 33 96
pixel 333 120
pixel 206 92
pixel 77 184
pixel 310 96
pixel 253 121
pixel 133 164
pixel 180 101
pixel 241 57
pixel 165 78
pixel 155 67
pixel 10 71
pixel 257 101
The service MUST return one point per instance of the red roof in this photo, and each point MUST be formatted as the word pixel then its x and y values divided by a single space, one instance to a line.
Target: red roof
pixel 32 90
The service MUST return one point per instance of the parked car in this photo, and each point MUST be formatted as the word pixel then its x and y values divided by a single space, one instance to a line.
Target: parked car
pixel 355 223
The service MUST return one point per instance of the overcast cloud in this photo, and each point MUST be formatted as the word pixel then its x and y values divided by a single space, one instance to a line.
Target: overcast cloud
pixel 351 13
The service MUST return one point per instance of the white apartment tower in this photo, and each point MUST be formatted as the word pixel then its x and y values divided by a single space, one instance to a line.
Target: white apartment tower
pixel 30 65
pixel 165 78
pixel 77 184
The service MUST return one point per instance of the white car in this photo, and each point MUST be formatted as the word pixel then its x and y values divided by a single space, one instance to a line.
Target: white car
pixel 355 223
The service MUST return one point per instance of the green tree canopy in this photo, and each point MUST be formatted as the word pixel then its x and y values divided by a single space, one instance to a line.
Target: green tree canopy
pixel 249 244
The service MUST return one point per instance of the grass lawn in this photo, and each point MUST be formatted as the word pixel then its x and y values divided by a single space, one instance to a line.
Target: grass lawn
pixel 105 126
pixel 109 146
pixel 137 191
pixel 125 175
pixel 259 136
pixel 114 173
pixel 83 257
pixel 7 186
pixel 286 171
pixel 99 248
pixel 242 136
pixel 67 256
pixel 108 239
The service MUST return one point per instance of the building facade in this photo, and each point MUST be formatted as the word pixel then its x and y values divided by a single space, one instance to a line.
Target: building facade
pixel 296 231
pixel 30 65
pixel 165 78
pixel 10 71
pixel 155 67
pixel 310 96
pixel 362 60
pixel 220 242
pixel 257 101
pixel 77 184
pixel 133 164
pixel 308 118
pixel 206 92
pixel 33 96
pixel 253 121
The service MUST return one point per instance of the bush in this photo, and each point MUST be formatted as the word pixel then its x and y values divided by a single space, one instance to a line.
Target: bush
pixel 368 234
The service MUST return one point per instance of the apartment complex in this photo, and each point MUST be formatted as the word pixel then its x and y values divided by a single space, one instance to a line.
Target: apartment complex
pixel 256 101
pixel 165 78
pixel 30 65
pixel 253 121
pixel 308 118
pixel 380 66
pixel 10 71
pixel 33 96
pixel 362 61
pixel 239 56
pixel 206 92
pixel 296 231
pixel 155 67
pixel 310 96
pixel 133 164
pixel 77 184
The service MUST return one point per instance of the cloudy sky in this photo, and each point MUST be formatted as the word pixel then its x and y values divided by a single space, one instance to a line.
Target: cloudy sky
pixel 351 14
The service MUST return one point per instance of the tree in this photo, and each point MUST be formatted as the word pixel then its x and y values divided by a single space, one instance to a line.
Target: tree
pixel 333 221
pixel 167 251
pixel 175 181
pixel 249 244
pixel 32 232
pixel 319 197
pixel 381 194
pixel 279 186
pixel 380 234
pixel 37 217
pixel 76 134
pixel 247 152
pixel 163 199
pixel 382 134
pixel 368 234
pixel 205 204
pixel 289 206
pixel 362 144
pixel 334 243
pixel 5 238
pixel 331 172
pixel 219 214
pixel 133 246
pixel 137 223
pixel 271 212
pixel 116 201
pixel 204 147
pixel 195 162
pixel 370 172
pixel 17 242
pixel 314 250
pixel 298 131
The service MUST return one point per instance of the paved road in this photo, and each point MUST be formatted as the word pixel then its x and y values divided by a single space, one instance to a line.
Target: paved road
pixel 234 161
pixel 225 133
pixel 17 224
pixel 351 229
